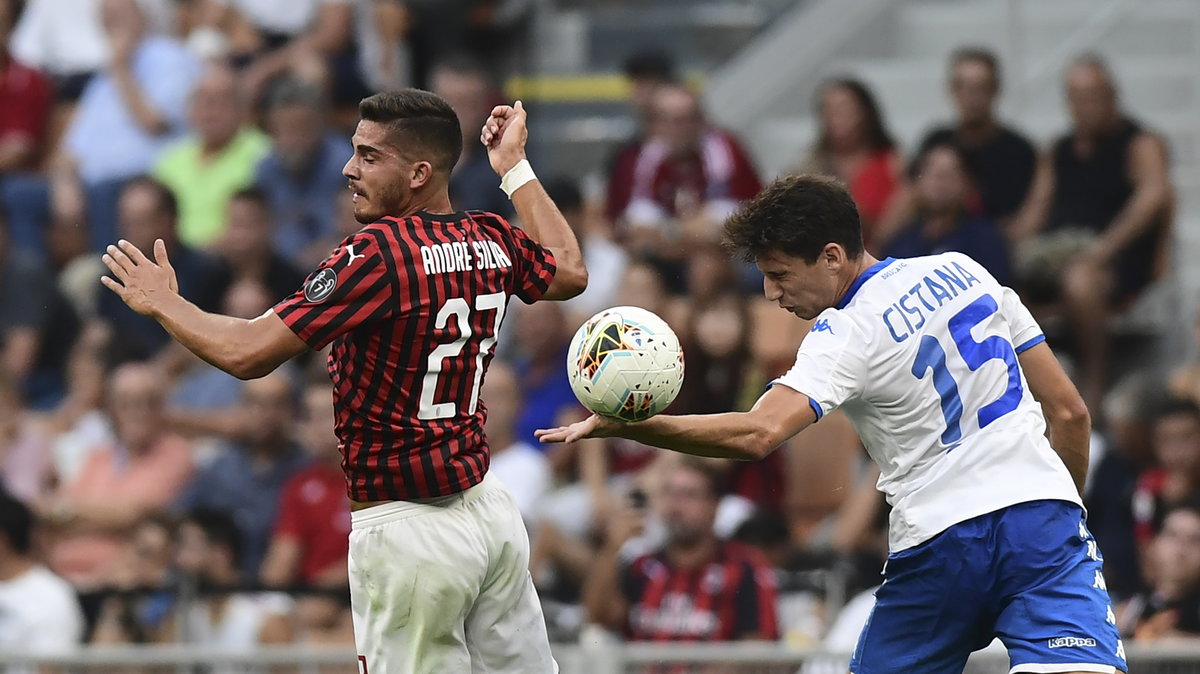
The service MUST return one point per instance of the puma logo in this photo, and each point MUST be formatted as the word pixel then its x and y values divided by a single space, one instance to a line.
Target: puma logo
pixel 353 257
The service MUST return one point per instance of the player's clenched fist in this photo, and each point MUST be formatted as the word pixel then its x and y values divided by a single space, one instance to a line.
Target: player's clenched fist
pixel 504 134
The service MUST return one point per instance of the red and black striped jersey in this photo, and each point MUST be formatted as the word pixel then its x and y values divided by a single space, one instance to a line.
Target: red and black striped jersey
pixel 732 597
pixel 412 307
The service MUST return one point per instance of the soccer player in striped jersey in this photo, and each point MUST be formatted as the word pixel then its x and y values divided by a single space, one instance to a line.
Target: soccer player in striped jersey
pixel 412 305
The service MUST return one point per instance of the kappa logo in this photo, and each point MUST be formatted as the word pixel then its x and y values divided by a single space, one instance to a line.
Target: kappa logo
pixel 321 286
pixel 822 325
pixel 1072 642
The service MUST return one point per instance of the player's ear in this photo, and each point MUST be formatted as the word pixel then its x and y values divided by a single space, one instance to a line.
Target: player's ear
pixel 422 173
pixel 833 255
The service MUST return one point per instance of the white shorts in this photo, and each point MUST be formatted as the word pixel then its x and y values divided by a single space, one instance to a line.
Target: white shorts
pixel 443 586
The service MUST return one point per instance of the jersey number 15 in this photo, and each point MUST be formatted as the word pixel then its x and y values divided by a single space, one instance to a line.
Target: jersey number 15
pixel 932 357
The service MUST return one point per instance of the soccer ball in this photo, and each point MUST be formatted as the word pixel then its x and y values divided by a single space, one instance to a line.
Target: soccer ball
pixel 625 363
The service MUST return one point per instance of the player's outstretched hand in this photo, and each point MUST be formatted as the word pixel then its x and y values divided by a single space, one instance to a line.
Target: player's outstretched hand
pixel 143 283
pixel 504 134
pixel 594 426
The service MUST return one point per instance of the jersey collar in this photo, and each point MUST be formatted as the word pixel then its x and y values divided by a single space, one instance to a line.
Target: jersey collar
pixel 863 278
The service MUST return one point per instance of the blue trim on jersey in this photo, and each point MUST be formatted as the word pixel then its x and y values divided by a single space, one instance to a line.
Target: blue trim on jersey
pixel 1030 344
pixel 811 403
pixel 863 278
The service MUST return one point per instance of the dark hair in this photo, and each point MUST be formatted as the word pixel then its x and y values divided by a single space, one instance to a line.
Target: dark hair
pixel 16 524
pixel 425 122
pixel 289 92
pixel 1174 407
pixel 713 477
pixel 255 195
pixel 166 198
pixel 877 136
pixel 978 55
pixel 764 529
pixel 650 63
pixel 220 529
pixel 797 215
pixel 948 144
pixel 462 63
pixel 15 8
pixel 564 192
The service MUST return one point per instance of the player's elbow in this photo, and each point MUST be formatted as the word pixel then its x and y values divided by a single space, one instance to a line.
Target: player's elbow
pixel 569 281
pixel 248 365
pixel 576 281
pixel 758 445
pixel 1072 413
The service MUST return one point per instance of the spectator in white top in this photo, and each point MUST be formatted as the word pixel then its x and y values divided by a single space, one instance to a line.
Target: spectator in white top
pixel 523 469
pixel 39 613
pixel 208 549
pixel 64 39
pixel 127 115
pixel 272 37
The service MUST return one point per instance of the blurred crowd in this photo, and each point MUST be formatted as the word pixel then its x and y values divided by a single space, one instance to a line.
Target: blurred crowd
pixel 150 498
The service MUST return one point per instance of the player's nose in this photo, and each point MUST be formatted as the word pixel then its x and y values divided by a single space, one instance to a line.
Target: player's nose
pixel 771 290
pixel 350 170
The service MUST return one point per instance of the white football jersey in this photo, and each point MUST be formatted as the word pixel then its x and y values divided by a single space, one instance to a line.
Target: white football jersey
pixel 921 355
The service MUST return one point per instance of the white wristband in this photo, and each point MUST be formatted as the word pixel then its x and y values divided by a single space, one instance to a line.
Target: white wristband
pixel 516 177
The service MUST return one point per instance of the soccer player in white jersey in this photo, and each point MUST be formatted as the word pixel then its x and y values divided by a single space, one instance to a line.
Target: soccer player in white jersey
pixel 949 383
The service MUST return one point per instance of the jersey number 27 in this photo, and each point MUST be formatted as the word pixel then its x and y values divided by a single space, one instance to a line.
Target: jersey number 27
pixel 459 308
pixel 931 357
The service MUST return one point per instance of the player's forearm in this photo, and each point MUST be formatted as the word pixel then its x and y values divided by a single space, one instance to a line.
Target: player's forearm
pixel 732 435
pixel 224 342
pixel 544 223
pixel 1070 436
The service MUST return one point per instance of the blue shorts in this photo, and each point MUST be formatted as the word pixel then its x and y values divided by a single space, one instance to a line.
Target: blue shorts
pixel 1029 574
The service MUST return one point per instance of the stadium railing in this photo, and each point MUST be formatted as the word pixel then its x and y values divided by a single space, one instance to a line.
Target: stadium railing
pixel 596 658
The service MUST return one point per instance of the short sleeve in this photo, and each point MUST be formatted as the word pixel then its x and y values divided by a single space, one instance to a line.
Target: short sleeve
pixel 1025 332
pixel 830 364
pixel 534 267
pixel 354 286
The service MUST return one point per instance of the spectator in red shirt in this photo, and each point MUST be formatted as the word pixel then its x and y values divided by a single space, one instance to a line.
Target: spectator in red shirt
pixel 687 177
pixel 1176 478
pixel 695 588
pixel 856 148
pixel 1169 608
pixel 25 100
pixel 312 531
